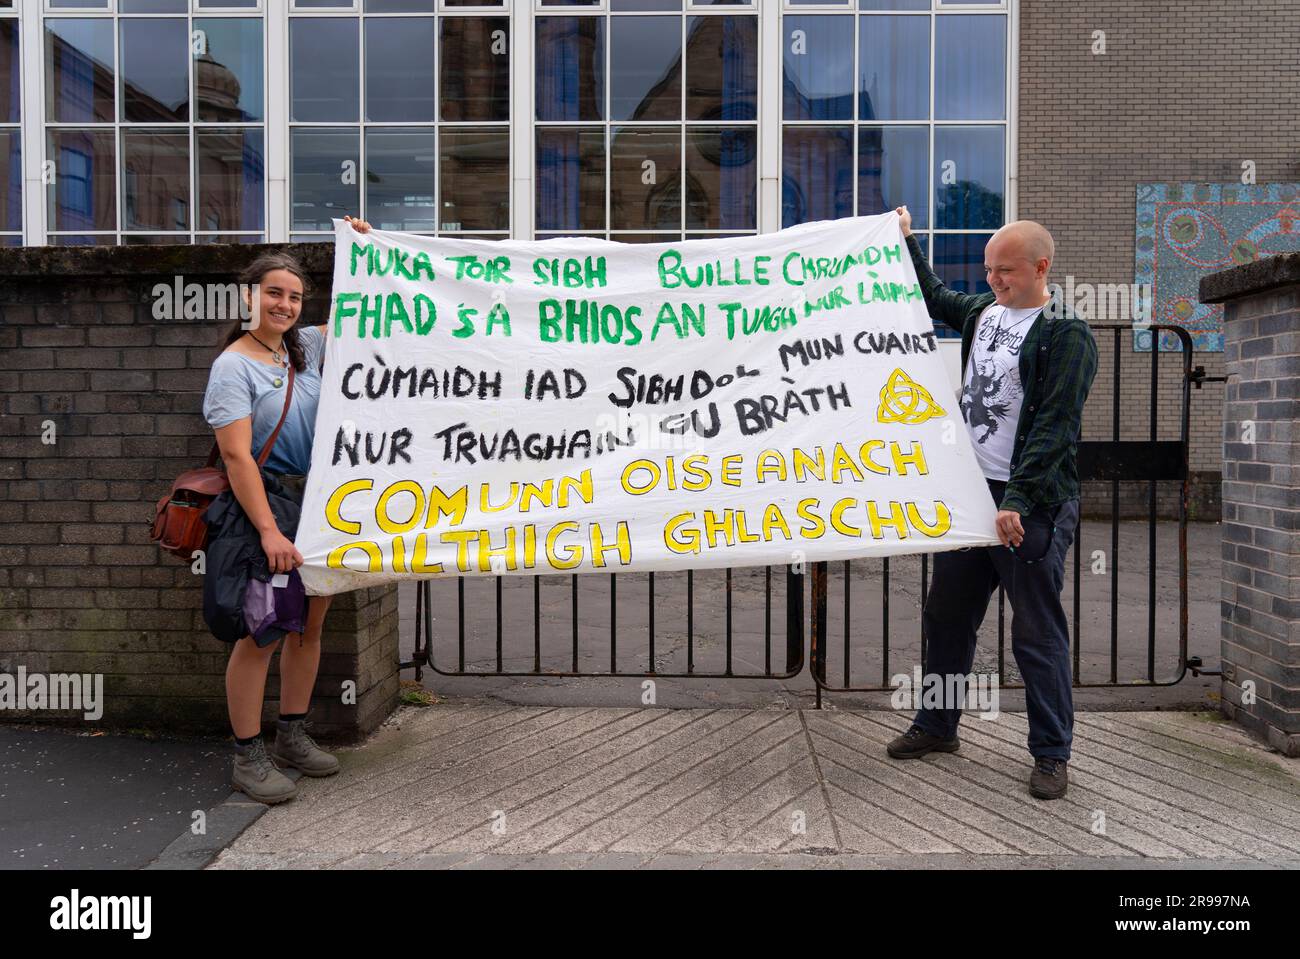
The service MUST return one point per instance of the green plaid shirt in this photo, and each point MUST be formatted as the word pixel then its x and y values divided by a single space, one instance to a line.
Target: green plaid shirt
pixel 1043 467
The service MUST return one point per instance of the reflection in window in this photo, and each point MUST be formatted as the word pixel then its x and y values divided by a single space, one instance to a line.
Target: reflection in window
pixel 79 73
pixel 959 261
pixel 818 180
pixel 721 178
pixel 894 68
pixel 399 69
pixel 228 71
pixel 817 77
pixel 645 67
pixel 722 68
pixel 155 181
pixel 155 70
pixel 645 189
pixel 969 172
pixel 970 67
pixel 570 179
pixel 570 68
pixel 892 164
pixel 475 58
pixel 475 168
pixel 10 75
pixel 320 159
pixel 11 180
pixel 83 195
pixel 400 179
pixel 231 174
pixel 324 88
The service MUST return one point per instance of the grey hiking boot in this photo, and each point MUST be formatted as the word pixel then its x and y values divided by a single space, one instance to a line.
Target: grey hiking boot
pixel 293 747
pixel 256 776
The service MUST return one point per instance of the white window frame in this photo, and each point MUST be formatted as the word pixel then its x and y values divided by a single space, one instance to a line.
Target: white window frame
pixel 521 126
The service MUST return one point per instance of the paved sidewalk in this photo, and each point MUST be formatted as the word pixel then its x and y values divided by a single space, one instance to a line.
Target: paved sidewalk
pixel 493 785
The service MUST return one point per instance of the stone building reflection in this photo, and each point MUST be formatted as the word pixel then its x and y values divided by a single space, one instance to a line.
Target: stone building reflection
pixel 155 163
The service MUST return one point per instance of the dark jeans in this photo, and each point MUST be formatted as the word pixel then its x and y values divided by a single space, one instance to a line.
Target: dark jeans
pixel 1032 574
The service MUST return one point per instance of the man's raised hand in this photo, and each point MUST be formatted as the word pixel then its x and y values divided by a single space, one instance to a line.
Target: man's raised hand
pixel 904 220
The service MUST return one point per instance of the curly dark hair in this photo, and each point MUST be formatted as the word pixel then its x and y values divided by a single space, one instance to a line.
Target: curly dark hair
pixel 253 273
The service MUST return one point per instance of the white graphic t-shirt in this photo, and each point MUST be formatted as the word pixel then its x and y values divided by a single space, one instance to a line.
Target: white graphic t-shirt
pixel 991 393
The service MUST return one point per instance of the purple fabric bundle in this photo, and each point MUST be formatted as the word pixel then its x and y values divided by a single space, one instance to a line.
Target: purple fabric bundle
pixel 270 612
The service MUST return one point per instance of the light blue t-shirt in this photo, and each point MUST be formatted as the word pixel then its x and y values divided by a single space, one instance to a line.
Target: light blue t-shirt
pixel 240 386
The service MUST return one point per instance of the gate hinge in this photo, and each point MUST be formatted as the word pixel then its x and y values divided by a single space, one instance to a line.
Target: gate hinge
pixel 1198 377
pixel 1195 665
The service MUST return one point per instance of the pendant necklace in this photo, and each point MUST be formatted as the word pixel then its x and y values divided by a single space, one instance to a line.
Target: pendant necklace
pixel 275 355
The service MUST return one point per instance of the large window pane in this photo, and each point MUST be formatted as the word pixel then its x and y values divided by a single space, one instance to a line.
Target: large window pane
pixel 722 68
pixel 645 190
pixel 475 58
pixel 79 74
pixel 570 68
pixel 892 165
pixel 232 177
pixel 969 177
pixel 400 183
pixel 83 194
pixel 645 65
pixel 228 73
pixel 11 180
pixel 894 68
pixel 475 179
pixel 324 69
pixel 155 180
pixel 570 179
pixel 721 178
pixel 399 69
pixel 970 67
pixel 155 70
pixel 10 77
pixel 817 180
pixel 959 261
pixel 325 167
pixel 817 55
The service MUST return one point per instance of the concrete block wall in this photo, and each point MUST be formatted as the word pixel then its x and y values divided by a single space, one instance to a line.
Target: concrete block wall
pixel 84 363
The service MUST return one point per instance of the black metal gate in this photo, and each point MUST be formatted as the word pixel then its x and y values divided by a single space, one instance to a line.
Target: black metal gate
pixel 775 628
pixel 1149 460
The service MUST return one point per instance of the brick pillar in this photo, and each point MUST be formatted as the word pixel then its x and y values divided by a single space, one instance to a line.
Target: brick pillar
pixel 1261 496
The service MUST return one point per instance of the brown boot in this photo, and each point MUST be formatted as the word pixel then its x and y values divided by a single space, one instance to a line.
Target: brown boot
pixel 293 747
pixel 1049 779
pixel 916 742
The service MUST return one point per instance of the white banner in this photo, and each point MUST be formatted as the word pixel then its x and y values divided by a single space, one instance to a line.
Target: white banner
pixel 577 405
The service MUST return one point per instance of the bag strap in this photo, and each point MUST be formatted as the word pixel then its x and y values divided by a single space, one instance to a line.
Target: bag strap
pixel 288 396
pixel 270 442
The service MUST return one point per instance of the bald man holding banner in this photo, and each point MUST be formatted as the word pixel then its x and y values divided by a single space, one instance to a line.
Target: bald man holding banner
pixel 1026 372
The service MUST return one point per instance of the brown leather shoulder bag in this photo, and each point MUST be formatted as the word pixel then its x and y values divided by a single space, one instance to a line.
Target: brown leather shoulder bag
pixel 178 526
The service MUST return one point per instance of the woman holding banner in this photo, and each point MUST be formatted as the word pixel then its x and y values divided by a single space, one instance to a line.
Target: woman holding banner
pixel 244 402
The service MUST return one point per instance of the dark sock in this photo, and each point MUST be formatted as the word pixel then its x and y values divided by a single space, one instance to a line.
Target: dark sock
pixel 249 740
pixel 290 717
